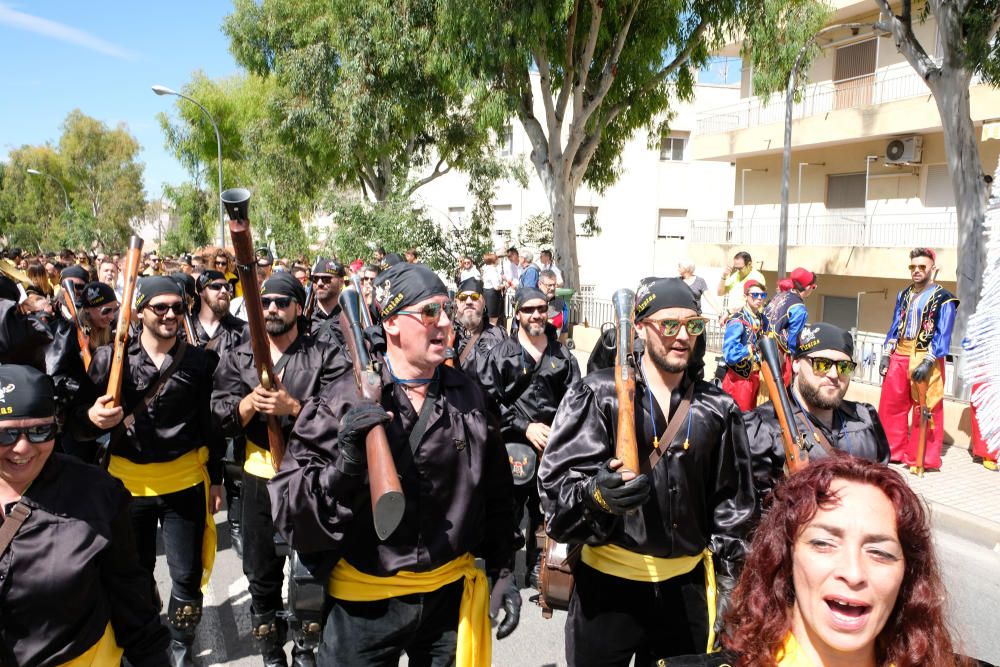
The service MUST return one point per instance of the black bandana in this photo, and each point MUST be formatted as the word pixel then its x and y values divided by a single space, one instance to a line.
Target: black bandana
pixel 284 284
pixel 208 276
pixel 404 284
pixel 662 293
pixel 98 294
pixel 8 289
pixel 25 393
pixel 75 271
pixel 823 336
pixel 153 286
pixel 526 294
pixel 328 266
pixel 470 285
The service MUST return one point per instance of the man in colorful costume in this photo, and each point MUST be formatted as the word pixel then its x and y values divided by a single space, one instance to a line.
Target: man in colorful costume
pixel 786 316
pixel 739 348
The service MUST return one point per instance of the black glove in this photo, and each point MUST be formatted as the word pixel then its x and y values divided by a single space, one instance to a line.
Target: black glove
pixel 354 427
pixel 723 592
pixel 609 493
pixel 922 371
pixel 505 593
pixel 883 365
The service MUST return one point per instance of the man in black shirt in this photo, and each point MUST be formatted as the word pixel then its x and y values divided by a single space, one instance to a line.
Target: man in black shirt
pixel 474 335
pixel 167 450
pixel 822 374
pixel 328 281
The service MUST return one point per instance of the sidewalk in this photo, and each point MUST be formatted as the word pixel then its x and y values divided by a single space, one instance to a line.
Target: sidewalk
pixel 961 484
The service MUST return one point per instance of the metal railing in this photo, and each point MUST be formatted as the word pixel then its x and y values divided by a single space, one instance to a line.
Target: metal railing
pixel 889 84
pixel 868 354
pixel 884 230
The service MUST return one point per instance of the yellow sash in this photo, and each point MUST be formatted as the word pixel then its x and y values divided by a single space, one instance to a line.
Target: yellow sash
pixel 159 479
pixel 258 461
pixel 620 562
pixel 105 652
pixel 474 633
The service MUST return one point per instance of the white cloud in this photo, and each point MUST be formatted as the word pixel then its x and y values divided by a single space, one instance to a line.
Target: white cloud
pixel 60 32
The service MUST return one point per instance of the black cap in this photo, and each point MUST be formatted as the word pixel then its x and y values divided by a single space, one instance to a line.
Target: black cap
pixel 824 336
pixel 404 284
pixel 25 393
pixel 328 266
pixel 264 257
pixel 97 294
pixel 470 285
pixel 284 284
pixel 208 276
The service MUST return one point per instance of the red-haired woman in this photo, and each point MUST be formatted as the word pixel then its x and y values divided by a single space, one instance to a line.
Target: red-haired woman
pixel 841 571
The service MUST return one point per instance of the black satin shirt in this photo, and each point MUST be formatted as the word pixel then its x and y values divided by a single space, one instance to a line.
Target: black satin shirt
pixel 491 336
pixel 702 496
pixel 458 486
pixel 230 332
pixel 71 569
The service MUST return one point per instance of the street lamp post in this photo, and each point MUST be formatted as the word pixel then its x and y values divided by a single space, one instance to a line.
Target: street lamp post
pixel 163 90
pixel 35 172
pixel 786 162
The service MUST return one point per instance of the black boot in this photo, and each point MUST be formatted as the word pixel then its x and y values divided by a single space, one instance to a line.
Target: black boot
pixel 269 633
pixel 306 640
pixel 183 617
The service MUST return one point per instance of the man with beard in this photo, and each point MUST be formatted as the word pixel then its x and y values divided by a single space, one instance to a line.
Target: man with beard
pixel 418 591
pixel 302 366
pixel 328 281
pixel 558 308
pixel 166 450
pixel 655 544
pixel 474 335
pixel 915 347
pixel 217 330
pixel 527 376
pixel 822 374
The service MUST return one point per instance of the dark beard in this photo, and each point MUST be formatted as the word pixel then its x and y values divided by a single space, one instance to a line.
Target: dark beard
pixel 277 326
pixel 218 307
pixel 814 399
pixel 661 362
pixel 470 320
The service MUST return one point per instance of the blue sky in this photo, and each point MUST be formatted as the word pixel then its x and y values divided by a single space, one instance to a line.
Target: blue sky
pixel 102 57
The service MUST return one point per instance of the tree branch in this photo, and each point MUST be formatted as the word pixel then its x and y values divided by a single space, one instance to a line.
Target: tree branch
pixel 545 81
pixel 909 46
pixel 569 65
pixel 534 130
pixel 583 66
pixel 437 173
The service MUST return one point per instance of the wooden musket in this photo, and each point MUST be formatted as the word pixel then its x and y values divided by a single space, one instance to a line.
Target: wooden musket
pixel 237 203
pixel 925 417
pixel 796 457
pixel 132 261
pixel 69 290
pixel 626 447
pixel 388 502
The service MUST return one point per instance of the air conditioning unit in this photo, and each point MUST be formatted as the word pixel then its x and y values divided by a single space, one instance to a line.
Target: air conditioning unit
pixel 905 150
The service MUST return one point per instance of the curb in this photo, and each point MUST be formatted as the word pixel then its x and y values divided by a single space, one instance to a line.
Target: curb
pixel 965 525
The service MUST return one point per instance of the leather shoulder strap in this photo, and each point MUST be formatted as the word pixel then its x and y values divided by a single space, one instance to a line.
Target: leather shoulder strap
pixel 672 427
pixel 469 345
pixel 10 526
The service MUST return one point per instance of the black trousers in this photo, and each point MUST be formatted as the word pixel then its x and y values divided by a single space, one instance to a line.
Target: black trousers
pixel 262 565
pixel 612 619
pixel 182 516
pixel 526 497
pixel 375 634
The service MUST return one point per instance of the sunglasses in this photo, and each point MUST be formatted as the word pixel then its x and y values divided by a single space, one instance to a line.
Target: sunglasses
pixel 367 280
pixel 918 267
pixel 161 308
pixel 533 310
pixel 822 365
pixel 668 328
pixel 36 435
pixel 281 302
pixel 221 262
pixel 430 313
pixel 323 279
pixel 215 287
pixel 107 310
pixel 757 295
pixel 474 296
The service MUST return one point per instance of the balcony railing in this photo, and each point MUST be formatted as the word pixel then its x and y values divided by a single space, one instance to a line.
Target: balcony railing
pixel 889 84
pixel 883 230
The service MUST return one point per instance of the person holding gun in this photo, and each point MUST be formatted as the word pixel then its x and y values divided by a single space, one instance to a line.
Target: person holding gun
pixel 418 591
pixel 658 540
pixel 303 366
pixel 165 448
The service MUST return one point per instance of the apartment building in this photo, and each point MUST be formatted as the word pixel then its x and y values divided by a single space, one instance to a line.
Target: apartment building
pixel 868 177
pixel 644 219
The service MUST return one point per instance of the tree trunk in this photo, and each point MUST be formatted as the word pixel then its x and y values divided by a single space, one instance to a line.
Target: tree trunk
pixel 965 166
pixel 562 203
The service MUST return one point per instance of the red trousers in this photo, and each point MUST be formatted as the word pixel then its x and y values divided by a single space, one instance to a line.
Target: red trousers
pixel 979 447
pixel 897 411
pixel 743 390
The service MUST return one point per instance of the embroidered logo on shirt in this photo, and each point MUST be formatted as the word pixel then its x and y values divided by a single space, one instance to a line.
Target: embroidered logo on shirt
pixel 4 391
pixel 459 444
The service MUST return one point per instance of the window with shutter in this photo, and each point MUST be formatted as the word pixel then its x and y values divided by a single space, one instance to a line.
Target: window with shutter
pixel 854 74
pixel 845 191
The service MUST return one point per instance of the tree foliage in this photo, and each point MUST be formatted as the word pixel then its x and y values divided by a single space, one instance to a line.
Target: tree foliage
pixel 193 213
pixel 98 167
pixel 773 43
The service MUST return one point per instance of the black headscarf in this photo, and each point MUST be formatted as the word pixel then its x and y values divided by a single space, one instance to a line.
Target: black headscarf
pixel 823 336
pixel 660 293
pixel 284 284
pixel 404 284
pixel 25 393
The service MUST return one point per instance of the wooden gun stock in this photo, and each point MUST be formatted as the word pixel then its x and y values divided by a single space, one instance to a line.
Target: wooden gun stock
pixel 626 447
pixel 922 437
pixel 388 502
pixel 796 457
pixel 69 290
pixel 237 202
pixel 132 260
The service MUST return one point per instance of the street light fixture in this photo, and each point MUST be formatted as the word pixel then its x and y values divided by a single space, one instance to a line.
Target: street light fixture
pixel 163 90
pixel 35 172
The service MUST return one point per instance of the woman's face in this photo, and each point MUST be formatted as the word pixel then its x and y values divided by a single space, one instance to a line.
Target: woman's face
pixel 21 462
pixel 847 567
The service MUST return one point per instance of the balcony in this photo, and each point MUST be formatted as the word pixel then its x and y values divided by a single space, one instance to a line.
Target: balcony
pixel 889 84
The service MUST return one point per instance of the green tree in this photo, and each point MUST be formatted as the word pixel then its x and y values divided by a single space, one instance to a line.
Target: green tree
pixel 192 216
pixel 606 68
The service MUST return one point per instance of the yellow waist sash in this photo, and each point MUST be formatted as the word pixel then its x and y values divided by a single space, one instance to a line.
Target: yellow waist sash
pixel 620 562
pixel 159 479
pixel 105 652
pixel 258 461
pixel 474 638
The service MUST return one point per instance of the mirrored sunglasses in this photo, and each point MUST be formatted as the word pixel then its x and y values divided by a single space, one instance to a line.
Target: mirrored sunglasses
pixel 695 326
pixel 822 365
pixel 36 435
pixel 430 313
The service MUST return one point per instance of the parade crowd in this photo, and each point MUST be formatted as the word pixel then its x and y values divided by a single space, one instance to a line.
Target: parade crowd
pixel 391 438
